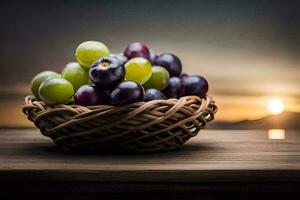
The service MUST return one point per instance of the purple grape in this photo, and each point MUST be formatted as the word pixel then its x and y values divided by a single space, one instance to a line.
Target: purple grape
pixel 137 49
pixel 153 56
pixel 107 72
pixel 170 62
pixel 153 94
pixel 127 92
pixel 175 88
pixel 123 59
pixel 88 95
pixel 195 85
pixel 182 75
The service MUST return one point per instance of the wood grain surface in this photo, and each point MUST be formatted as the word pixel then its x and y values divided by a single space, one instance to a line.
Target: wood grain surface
pixel 213 160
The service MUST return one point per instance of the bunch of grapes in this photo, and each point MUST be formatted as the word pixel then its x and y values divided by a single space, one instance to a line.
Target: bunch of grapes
pixel 98 77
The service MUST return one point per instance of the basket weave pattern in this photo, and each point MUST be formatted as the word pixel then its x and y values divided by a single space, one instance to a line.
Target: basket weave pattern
pixel 144 126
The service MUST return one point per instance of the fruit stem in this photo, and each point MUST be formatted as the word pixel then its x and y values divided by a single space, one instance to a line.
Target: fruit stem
pixel 104 65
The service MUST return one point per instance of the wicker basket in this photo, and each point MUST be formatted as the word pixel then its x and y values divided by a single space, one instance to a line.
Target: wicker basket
pixel 157 125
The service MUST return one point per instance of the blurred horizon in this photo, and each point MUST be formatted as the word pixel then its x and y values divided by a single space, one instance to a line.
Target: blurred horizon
pixel 248 50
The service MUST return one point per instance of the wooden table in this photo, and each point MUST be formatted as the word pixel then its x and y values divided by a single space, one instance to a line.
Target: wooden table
pixel 215 164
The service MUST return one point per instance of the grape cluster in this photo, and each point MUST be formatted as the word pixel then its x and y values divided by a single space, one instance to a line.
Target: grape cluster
pixel 101 78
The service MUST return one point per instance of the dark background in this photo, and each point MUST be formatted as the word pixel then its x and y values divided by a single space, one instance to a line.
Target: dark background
pixel 248 50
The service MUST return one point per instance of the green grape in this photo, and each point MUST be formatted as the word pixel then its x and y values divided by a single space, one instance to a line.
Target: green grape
pixel 90 51
pixel 159 78
pixel 138 69
pixel 76 75
pixel 38 79
pixel 55 91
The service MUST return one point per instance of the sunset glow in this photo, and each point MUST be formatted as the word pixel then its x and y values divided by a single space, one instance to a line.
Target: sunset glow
pixel 275 106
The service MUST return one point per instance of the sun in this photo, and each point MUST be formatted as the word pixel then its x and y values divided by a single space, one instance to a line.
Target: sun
pixel 275 106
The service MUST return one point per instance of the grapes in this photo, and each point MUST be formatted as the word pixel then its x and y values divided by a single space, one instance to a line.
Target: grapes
pixel 175 88
pixel 55 91
pixel 195 85
pixel 127 92
pixel 75 74
pixel 138 69
pixel 107 72
pixel 99 77
pixel 159 78
pixel 123 59
pixel 137 49
pixel 170 62
pixel 153 94
pixel 88 95
pixel 153 56
pixel 182 75
pixel 88 52
pixel 38 79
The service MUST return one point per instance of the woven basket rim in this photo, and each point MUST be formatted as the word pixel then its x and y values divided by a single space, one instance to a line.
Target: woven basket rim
pixel 32 98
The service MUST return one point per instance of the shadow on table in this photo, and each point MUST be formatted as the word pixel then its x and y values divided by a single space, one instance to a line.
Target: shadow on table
pixel 51 149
